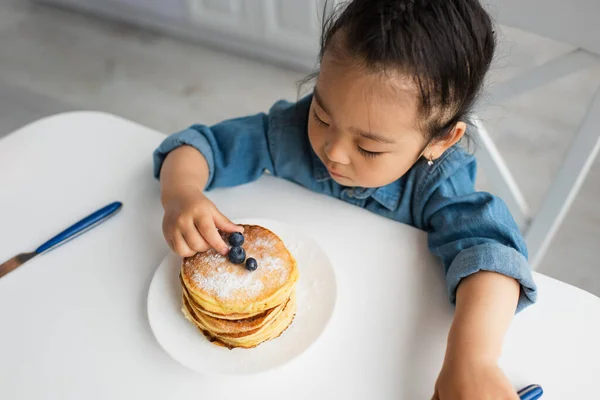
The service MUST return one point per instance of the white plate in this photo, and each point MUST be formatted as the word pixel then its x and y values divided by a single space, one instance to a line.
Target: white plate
pixel 316 291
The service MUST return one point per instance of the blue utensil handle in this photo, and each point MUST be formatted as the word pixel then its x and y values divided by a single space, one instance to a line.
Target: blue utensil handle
pixel 80 227
pixel 531 392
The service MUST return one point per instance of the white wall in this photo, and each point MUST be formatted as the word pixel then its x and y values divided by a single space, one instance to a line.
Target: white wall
pixel 575 22
pixel 284 31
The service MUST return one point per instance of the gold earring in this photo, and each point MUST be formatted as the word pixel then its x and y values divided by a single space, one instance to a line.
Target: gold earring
pixel 430 162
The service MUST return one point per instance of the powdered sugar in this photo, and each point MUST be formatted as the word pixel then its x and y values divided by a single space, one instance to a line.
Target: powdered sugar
pixel 227 281
pixel 262 244
pixel 226 285
pixel 271 264
pixel 213 259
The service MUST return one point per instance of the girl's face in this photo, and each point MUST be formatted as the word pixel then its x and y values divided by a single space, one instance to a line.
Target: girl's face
pixel 363 126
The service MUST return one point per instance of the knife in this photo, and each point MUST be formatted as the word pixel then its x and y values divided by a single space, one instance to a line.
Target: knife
pixel 531 392
pixel 68 234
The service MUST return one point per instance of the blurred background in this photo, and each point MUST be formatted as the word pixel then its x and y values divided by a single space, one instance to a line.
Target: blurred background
pixel 170 63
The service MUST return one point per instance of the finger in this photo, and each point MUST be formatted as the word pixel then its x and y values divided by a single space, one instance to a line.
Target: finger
pixel 170 242
pixel 225 224
pixel 168 234
pixel 180 246
pixel 211 235
pixel 194 239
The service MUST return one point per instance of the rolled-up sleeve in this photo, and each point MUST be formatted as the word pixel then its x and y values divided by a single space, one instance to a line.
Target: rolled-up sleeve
pixel 236 150
pixel 474 231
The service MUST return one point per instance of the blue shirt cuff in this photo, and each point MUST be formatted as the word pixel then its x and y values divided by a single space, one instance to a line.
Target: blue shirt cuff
pixel 493 257
pixel 190 137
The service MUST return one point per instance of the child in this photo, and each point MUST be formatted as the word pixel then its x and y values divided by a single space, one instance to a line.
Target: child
pixel 396 83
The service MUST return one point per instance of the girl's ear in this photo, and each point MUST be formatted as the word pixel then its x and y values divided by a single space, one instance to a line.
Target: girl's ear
pixel 438 147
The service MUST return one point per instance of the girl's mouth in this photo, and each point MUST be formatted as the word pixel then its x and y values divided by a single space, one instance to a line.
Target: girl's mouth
pixel 335 174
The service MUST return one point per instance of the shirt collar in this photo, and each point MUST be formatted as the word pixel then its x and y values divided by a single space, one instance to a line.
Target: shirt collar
pixel 388 196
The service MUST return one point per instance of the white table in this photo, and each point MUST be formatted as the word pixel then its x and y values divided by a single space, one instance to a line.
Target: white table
pixel 74 324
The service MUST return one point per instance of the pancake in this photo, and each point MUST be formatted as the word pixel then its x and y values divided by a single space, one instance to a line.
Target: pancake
pixel 228 291
pixel 234 307
pixel 225 326
pixel 197 306
pixel 249 339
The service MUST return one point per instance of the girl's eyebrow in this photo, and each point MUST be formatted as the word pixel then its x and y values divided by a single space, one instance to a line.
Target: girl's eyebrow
pixel 373 136
pixel 367 135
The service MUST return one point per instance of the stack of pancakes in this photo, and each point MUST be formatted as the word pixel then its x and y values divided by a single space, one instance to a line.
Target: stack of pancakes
pixel 235 307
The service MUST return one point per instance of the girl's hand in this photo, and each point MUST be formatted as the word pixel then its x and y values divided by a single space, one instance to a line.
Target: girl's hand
pixel 191 222
pixel 473 379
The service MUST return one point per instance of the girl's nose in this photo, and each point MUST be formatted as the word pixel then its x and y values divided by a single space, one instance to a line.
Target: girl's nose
pixel 334 150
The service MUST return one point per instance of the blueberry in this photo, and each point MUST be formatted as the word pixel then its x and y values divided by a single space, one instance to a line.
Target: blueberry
pixel 236 239
pixel 251 264
pixel 237 255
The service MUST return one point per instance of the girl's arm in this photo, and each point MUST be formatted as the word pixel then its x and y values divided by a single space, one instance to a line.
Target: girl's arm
pixel 470 231
pixel 191 220
pixel 183 167
pixel 485 304
pixel 201 158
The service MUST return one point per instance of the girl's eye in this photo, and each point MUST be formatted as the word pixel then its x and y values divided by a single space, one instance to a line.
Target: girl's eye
pixel 367 153
pixel 319 120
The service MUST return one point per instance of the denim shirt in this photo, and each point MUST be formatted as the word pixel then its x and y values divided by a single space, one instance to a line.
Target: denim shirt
pixel 469 231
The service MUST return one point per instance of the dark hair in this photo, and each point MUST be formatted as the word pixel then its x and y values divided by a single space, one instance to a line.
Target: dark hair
pixel 446 46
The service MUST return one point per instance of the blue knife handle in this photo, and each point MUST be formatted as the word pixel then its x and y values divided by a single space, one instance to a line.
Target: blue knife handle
pixel 80 227
pixel 531 392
